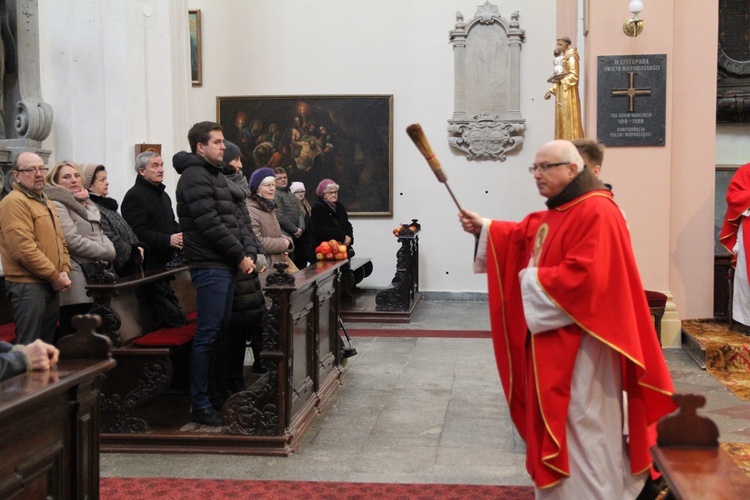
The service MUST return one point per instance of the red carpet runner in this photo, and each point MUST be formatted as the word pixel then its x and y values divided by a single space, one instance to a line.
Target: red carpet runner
pixel 201 489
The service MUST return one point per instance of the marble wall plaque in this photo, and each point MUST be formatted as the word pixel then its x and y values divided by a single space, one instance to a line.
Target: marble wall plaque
pixel 487 121
pixel 631 100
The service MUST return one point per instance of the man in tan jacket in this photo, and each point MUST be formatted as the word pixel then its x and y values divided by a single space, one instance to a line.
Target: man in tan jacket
pixel 34 254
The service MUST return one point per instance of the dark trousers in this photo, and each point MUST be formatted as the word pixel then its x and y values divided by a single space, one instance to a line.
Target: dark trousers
pixel 214 293
pixel 35 310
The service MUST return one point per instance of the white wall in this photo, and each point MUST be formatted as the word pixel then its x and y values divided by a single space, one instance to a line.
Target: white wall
pixel 115 72
pixel 331 47
pixel 732 143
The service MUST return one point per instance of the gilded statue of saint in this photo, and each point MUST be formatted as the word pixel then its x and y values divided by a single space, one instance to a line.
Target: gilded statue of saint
pixel 565 89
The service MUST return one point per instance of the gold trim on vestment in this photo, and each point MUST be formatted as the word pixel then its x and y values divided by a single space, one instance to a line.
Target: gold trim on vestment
pixel 502 307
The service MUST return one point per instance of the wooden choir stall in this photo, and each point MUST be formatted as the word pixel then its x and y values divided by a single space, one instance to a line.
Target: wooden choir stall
pixel 49 422
pixel 145 400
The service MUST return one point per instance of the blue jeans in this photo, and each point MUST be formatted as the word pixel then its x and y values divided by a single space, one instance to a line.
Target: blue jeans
pixel 214 293
pixel 35 310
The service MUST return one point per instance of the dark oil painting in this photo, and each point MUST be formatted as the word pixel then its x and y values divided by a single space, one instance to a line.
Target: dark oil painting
pixel 345 138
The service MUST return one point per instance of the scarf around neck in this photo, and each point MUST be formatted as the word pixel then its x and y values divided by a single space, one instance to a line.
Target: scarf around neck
pixel 583 183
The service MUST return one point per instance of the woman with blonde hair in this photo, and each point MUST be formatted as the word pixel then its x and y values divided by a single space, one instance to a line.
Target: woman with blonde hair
pixel 80 222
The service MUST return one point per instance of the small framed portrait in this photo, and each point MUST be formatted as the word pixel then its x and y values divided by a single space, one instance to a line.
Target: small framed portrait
pixel 196 63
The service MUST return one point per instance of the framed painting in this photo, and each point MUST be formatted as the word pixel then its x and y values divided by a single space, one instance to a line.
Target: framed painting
pixel 196 63
pixel 345 138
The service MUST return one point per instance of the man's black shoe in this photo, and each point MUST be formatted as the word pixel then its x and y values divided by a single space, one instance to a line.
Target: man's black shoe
pixel 348 352
pixel 207 416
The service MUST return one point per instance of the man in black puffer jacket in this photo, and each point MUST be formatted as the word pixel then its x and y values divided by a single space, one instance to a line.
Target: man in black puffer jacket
pixel 214 240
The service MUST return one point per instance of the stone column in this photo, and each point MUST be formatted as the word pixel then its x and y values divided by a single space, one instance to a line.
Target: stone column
pixel 458 39
pixel 515 39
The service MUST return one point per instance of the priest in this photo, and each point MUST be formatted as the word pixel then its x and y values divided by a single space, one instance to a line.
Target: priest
pixel 735 236
pixel 578 356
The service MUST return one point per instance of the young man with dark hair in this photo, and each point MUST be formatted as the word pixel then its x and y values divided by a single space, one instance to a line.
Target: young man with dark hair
pixel 592 153
pixel 215 242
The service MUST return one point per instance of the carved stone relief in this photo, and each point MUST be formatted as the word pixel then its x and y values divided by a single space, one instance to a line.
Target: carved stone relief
pixel 733 73
pixel 487 121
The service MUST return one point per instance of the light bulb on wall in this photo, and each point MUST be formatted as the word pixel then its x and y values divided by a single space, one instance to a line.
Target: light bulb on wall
pixel 634 25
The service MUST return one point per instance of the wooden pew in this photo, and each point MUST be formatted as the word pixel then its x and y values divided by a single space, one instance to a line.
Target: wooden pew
pixel 150 360
pixel 403 293
pixel 397 302
pixel 688 455
pixel 301 350
pixel 49 422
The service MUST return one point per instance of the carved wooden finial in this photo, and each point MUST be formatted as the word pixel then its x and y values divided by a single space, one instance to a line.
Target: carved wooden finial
pixel 685 428
pixel 85 343
pixel 280 277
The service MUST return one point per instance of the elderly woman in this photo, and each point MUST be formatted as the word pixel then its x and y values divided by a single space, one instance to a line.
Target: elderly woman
pixel 262 214
pixel 329 221
pixel 81 225
pixel 128 250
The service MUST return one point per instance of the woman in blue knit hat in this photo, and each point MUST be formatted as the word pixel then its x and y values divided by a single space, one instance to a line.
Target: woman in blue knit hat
pixel 263 215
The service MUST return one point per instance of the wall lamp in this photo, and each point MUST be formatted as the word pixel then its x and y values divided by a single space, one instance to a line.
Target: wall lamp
pixel 634 26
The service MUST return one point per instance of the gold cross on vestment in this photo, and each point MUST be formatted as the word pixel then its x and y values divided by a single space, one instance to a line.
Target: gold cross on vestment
pixel 631 92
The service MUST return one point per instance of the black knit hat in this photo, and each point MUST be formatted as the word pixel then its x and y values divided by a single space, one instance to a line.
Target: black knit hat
pixel 232 152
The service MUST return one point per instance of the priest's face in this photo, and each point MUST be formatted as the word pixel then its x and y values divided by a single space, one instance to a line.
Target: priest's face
pixel 552 173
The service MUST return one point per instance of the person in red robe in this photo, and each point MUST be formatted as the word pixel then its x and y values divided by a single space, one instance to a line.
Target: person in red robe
pixel 735 236
pixel 579 360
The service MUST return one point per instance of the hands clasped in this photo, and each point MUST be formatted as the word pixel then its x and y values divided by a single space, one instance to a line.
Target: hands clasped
pixel 40 355
pixel 62 283
pixel 246 265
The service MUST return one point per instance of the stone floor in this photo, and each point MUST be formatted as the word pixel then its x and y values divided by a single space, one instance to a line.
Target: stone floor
pixel 417 410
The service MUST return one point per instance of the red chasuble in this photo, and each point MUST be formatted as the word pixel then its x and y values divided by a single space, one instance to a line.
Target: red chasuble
pixel 738 200
pixel 586 267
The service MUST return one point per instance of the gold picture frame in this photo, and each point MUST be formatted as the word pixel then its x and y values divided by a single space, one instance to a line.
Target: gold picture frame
pixel 196 59
pixel 347 138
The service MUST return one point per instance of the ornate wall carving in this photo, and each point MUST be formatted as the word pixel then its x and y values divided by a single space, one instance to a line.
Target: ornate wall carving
pixel 487 121
pixel 733 73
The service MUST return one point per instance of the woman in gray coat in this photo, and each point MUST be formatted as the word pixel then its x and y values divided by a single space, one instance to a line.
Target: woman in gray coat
pixel 80 222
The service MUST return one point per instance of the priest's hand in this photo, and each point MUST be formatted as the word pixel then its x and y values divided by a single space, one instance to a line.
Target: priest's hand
pixel 471 222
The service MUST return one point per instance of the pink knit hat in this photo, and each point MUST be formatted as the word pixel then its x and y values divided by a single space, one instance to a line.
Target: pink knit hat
pixel 324 184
